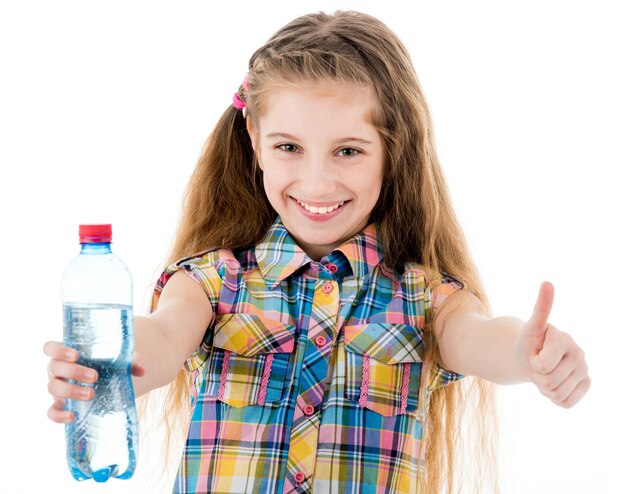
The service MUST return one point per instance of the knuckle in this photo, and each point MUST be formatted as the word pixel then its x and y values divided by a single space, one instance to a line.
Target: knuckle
pixel 50 369
pixel 52 387
pixel 581 353
pixel 577 353
pixel 560 396
pixel 582 367
pixel 584 386
pixel 549 382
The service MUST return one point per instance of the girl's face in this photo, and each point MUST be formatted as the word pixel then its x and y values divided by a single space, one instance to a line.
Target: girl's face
pixel 322 161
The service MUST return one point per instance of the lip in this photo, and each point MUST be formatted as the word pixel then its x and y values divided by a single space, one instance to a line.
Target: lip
pixel 317 216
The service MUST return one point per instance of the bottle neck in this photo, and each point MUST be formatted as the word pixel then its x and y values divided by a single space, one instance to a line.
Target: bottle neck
pixel 95 248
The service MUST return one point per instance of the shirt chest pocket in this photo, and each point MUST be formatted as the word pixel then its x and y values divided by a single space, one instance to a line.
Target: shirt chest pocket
pixel 383 366
pixel 249 359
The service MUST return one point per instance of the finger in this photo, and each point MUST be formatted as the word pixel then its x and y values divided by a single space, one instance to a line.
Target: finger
pixel 552 380
pixel 62 389
pixel 56 350
pixel 57 412
pixel 60 416
pixel 543 306
pixel 567 387
pixel 66 370
pixel 555 346
pixel 577 394
pixel 536 327
pixel 137 370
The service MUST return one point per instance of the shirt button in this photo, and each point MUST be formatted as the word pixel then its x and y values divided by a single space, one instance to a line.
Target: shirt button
pixel 299 477
pixel 320 341
pixel 332 268
pixel 309 410
pixel 328 287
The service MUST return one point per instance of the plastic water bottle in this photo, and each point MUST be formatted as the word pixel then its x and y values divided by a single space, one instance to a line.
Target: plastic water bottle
pixel 98 322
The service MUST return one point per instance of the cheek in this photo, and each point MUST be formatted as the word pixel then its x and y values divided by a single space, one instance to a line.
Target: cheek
pixel 368 184
pixel 273 181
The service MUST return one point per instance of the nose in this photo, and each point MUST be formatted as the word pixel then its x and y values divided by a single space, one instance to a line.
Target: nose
pixel 318 177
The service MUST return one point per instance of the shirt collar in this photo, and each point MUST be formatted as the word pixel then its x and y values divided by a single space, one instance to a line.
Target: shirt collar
pixel 279 256
pixel 364 251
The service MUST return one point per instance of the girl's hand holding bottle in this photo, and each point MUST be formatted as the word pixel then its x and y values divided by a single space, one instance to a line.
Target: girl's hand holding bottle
pixel 61 369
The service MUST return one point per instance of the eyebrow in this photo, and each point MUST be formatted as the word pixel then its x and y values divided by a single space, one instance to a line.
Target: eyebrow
pixel 338 141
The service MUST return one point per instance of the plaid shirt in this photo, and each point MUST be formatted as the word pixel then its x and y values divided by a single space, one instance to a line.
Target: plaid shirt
pixel 309 373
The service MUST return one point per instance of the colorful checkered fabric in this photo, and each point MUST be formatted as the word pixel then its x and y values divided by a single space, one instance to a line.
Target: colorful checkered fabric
pixel 308 376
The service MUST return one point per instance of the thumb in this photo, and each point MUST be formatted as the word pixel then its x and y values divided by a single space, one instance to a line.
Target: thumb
pixel 537 325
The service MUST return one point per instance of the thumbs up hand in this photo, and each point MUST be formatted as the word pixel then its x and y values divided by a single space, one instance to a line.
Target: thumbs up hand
pixel 553 361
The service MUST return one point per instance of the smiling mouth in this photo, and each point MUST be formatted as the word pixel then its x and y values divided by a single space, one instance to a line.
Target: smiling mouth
pixel 320 209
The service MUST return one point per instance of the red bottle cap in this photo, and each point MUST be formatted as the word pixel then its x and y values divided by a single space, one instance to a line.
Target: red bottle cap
pixel 95 234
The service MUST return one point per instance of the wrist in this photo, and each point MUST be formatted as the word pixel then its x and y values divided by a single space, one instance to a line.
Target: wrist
pixel 521 355
pixel 506 332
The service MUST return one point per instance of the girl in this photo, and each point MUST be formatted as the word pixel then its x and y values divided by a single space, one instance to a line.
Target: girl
pixel 320 296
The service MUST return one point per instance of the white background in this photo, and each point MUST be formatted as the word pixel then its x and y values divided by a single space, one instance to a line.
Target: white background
pixel 104 107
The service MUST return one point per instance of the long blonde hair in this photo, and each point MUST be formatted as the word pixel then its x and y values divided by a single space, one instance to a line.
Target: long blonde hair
pixel 226 206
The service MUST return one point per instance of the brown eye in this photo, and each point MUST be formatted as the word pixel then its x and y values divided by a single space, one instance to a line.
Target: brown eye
pixel 290 148
pixel 349 152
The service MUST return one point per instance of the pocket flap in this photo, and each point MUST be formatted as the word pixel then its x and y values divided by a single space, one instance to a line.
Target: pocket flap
pixel 386 342
pixel 247 334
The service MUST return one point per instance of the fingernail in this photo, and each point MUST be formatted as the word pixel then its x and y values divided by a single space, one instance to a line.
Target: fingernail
pixel 85 392
pixel 90 375
pixel 71 354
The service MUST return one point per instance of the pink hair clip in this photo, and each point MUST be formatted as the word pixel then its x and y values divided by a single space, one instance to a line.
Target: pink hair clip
pixel 238 102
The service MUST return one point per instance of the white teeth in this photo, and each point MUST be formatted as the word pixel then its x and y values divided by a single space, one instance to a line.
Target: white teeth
pixel 320 210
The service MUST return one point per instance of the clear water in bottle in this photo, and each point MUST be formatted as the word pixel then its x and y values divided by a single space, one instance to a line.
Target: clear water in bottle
pixel 102 439
pixel 98 322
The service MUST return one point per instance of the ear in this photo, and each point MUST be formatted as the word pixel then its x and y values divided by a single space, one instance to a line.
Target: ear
pixel 254 139
pixel 254 136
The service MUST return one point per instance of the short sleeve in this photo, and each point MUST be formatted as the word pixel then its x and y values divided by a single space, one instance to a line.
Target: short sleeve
pixel 205 270
pixel 436 292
